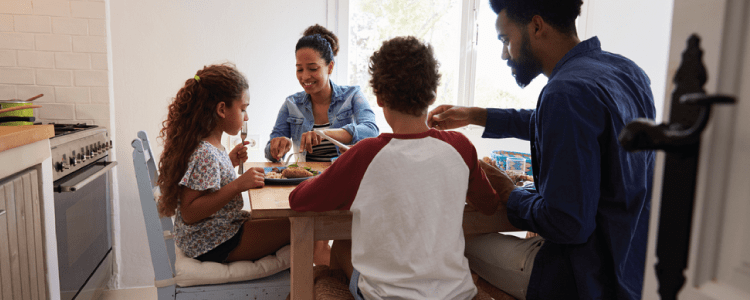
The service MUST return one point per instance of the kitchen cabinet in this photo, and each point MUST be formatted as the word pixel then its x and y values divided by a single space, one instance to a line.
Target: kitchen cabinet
pixel 28 245
pixel 22 274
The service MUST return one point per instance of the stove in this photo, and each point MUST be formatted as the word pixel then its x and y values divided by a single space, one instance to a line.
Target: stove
pixel 76 144
pixel 82 183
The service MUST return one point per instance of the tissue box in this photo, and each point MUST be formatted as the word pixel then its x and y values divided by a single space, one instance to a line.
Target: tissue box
pixel 499 156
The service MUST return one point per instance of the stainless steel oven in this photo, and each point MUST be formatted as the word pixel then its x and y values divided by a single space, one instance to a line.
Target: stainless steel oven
pixel 82 188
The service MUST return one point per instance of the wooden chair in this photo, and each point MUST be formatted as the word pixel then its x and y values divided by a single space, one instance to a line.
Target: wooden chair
pixel 162 246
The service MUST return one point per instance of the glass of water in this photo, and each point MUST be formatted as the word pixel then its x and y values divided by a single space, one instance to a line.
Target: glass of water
pixel 515 166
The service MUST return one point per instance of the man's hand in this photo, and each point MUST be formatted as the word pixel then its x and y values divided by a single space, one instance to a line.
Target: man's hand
pixel 448 116
pixel 499 181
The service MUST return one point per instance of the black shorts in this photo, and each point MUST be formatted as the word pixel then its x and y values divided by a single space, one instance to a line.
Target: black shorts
pixel 221 252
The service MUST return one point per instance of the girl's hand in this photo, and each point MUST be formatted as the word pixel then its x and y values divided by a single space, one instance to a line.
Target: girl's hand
pixel 280 146
pixel 252 178
pixel 238 155
pixel 308 140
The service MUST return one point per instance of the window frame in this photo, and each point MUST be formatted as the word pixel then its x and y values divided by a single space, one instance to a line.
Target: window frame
pixel 337 20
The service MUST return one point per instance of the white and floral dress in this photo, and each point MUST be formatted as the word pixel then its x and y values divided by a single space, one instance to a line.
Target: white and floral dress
pixel 210 169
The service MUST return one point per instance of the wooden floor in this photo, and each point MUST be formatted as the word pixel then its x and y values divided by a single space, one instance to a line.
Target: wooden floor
pixel 148 293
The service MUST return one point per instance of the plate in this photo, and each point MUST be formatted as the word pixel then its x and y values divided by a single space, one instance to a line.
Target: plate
pixel 284 180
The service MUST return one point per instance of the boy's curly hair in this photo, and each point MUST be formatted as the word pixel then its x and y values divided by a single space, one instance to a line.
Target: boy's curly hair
pixel 405 75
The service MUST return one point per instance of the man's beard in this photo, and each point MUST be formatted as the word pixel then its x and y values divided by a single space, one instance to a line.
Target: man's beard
pixel 527 67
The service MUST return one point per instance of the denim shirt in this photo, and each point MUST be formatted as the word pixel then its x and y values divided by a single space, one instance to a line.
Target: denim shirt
pixel 594 198
pixel 349 110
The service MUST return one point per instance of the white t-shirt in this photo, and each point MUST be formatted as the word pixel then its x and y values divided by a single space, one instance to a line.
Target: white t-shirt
pixel 407 194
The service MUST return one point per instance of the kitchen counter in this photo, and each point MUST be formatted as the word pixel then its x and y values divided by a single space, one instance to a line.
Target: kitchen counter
pixel 16 136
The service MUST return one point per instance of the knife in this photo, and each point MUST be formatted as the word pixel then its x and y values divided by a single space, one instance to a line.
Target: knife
pixel 335 142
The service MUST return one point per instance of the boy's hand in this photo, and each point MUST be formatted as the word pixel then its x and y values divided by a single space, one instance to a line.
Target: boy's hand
pixel 252 178
pixel 499 181
pixel 238 155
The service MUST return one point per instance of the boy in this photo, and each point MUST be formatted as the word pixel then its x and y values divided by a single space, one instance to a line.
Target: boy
pixel 406 190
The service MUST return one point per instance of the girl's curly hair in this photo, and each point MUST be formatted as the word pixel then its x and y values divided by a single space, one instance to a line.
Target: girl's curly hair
pixel 191 118
pixel 405 75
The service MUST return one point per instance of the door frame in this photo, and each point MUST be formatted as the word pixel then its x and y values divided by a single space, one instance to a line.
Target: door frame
pixel 722 171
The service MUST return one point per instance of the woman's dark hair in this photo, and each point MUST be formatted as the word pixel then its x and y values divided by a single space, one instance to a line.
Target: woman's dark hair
pixel 191 118
pixel 321 40
pixel 560 14
pixel 405 75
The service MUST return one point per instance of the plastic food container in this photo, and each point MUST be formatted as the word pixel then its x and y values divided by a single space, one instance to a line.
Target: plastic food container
pixel 16 113
pixel 499 157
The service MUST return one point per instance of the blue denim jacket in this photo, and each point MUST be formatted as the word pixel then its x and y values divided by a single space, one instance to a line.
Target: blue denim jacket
pixel 349 110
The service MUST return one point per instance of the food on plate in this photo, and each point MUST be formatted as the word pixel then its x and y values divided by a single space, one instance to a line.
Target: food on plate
pixel 293 171
pixel 296 172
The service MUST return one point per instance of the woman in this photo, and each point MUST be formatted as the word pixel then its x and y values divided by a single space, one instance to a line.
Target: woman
pixel 341 112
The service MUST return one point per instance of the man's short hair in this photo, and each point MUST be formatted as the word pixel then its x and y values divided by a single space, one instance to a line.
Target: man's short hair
pixel 405 75
pixel 560 14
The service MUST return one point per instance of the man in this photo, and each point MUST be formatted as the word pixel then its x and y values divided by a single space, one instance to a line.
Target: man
pixel 591 207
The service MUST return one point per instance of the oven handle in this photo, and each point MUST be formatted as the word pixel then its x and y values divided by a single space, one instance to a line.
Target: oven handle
pixel 108 166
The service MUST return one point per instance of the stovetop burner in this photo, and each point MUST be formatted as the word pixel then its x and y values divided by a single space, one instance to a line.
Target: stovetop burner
pixel 63 129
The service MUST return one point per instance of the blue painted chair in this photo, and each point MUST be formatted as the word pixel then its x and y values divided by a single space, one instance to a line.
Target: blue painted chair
pixel 162 246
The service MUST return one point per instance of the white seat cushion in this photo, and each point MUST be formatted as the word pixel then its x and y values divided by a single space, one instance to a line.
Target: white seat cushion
pixel 192 272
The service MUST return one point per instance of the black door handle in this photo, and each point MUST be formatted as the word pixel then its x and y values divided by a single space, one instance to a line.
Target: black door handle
pixel 644 134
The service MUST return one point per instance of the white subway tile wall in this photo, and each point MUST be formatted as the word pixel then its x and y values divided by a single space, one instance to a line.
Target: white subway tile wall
pixel 7 58
pixel 56 48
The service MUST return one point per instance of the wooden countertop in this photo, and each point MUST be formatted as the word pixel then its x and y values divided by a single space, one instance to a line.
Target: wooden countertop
pixel 16 136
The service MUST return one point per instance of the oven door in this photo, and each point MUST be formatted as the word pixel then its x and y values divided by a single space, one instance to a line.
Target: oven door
pixel 82 218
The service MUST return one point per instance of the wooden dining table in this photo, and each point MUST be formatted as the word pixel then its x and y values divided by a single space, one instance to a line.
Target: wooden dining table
pixel 272 201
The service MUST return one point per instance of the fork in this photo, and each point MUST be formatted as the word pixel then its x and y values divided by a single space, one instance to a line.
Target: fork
pixel 286 162
pixel 243 135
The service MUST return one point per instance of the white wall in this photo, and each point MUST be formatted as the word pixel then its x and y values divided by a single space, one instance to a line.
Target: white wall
pixel 158 44
pixel 636 29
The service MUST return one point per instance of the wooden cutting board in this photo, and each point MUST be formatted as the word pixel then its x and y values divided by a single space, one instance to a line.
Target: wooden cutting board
pixel 16 136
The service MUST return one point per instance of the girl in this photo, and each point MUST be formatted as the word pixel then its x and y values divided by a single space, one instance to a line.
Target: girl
pixel 197 178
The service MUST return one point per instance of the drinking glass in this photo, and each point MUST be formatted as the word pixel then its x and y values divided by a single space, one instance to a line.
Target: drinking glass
pixel 515 165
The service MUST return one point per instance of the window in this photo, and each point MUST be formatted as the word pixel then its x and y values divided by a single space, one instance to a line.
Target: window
pixel 475 76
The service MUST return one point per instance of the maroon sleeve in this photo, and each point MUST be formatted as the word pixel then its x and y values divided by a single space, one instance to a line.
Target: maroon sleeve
pixel 480 194
pixel 336 187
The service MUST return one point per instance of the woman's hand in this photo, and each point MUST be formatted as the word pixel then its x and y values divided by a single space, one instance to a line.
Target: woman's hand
pixel 252 178
pixel 238 155
pixel 280 146
pixel 308 140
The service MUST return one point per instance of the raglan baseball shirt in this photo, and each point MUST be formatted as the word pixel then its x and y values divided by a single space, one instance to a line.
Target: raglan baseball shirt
pixel 407 193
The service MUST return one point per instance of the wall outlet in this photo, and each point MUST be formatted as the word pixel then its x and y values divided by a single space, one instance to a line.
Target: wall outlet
pixel 254 140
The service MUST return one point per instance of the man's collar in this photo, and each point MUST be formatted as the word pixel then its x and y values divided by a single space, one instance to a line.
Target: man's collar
pixel 591 44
